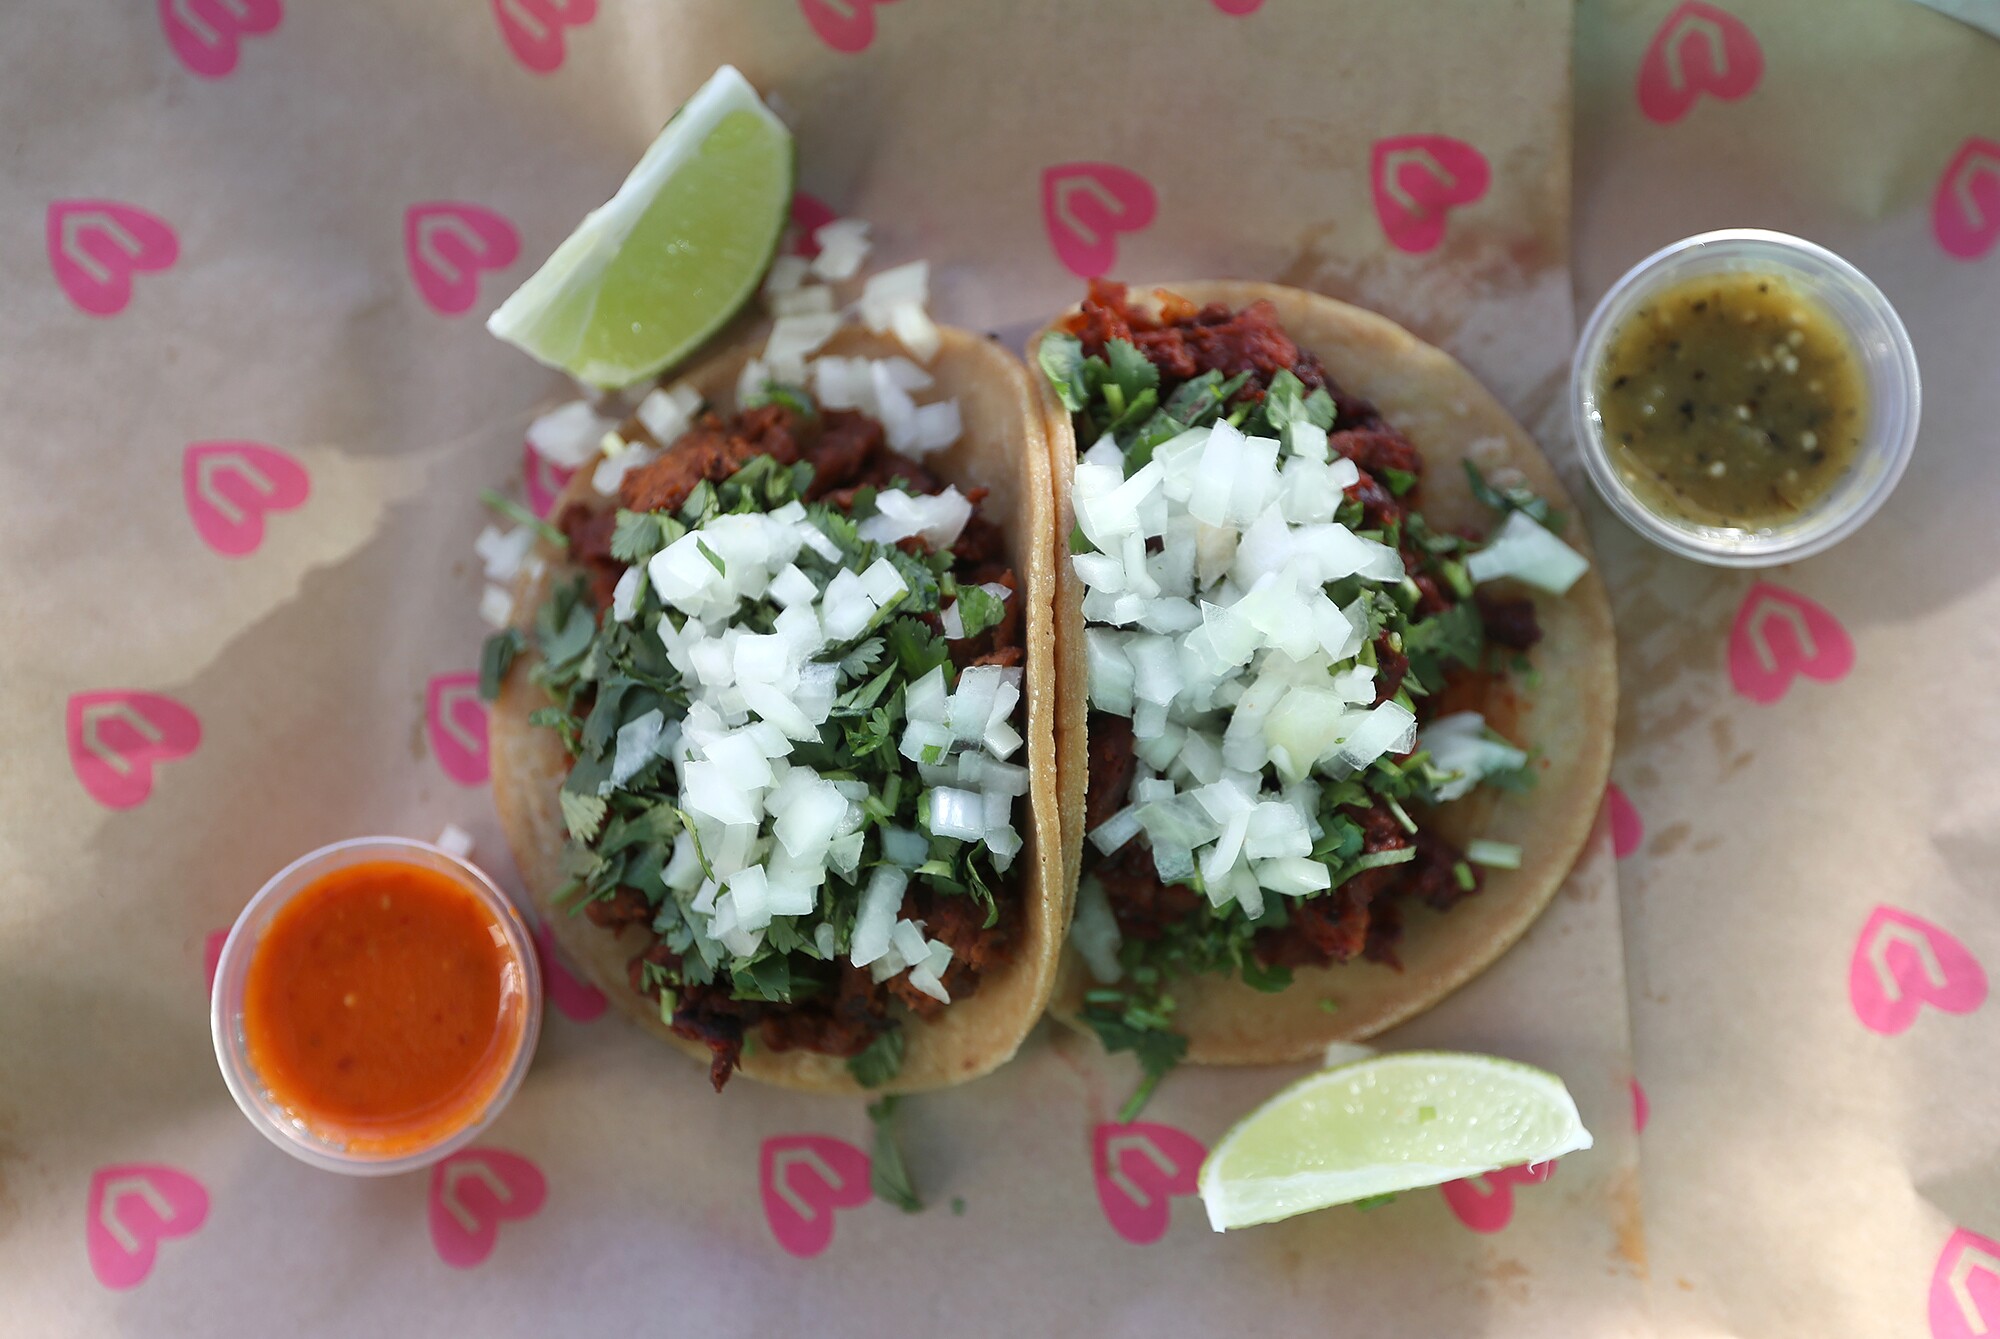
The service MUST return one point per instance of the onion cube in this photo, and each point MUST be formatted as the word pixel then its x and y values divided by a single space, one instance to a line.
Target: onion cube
pixel 956 813
pixel 875 920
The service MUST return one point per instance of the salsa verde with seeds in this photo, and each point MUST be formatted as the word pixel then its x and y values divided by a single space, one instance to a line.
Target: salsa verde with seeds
pixel 1732 400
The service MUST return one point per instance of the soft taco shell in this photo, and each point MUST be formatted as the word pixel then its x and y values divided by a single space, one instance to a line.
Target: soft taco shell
pixel 1569 717
pixel 1003 450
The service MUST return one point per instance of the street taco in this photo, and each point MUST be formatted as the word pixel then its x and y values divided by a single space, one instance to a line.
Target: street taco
pixel 734 741
pixel 1316 773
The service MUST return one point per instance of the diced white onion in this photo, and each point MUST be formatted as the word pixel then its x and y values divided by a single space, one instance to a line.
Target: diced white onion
pixel 936 518
pixel 1526 551
pixel 875 920
pixel 567 436
pixel 843 245
pixel 1494 855
pixel 787 272
pixel 886 290
pixel 667 414
pixel 956 813
pixel 496 606
pixel 1094 931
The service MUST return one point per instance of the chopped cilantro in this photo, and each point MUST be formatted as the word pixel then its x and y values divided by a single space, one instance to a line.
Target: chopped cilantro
pixel 635 834
pixel 636 537
pixel 714 558
pixel 979 609
pixel 791 397
pixel 1400 481
pixel 496 657
pixel 514 511
pixel 958 1206
pixel 1149 1036
pixel 1061 357
pixel 880 1061
pixel 1517 498
pixel 889 1175
pixel 1131 373
pixel 582 814
pixel 1367 1202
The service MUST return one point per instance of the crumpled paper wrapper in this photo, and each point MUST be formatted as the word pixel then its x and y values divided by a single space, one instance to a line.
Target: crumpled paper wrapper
pixel 249 408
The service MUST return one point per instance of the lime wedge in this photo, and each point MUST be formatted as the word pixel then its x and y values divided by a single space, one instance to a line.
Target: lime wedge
pixel 652 273
pixel 1384 1124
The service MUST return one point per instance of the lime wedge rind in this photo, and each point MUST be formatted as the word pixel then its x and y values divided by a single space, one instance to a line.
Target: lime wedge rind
pixel 650 275
pixel 1382 1125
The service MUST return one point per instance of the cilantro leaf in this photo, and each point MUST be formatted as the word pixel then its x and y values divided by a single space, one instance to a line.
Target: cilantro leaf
pixel 582 814
pixel 1061 359
pixel 1517 498
pixel 880 1061
pixel 605 716
pixel 793 398
pixel 1454 637
pixel 861 657
pixel 636 537
pixel 1130 370
pixel 714 558
pixel 514 511
pixel 889 1175
pixel 496 657
pixel 979 609
pixel 916 648
pixel 1156 1045
pixel 768 978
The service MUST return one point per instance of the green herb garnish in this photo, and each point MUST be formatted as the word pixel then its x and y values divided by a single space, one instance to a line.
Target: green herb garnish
pixel 889 1175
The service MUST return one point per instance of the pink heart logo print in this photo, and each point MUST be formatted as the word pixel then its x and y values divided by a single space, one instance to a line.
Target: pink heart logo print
pixel 206 34
pixel 1238 8
pixel 1903 962
pixel 1084 208
pixel 1627 829
pixel 574 999
pixel 534 28
pixel 133 1208
pixel 474 1191
pixel 1779 635
pixel 844 25
pixel 1139 1169
pixel 448 244
pixel 1699 49
pixel 1965 1288
pixel 116 736
pixel 1417 180
pixel 544 481
pixel 229 486
pixel 96 246
pixel 803 1179
pixel 1486 1203
pixel 455 723
pixel 1965 212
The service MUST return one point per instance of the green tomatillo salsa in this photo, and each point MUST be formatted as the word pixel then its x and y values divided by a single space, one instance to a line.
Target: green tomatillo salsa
pixel 1731 400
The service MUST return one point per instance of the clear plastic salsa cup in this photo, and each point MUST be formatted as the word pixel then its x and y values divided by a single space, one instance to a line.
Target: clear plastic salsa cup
pixel 1888 368
pixel 521 989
